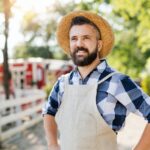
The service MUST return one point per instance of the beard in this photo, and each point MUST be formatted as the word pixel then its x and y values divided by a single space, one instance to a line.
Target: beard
pixel 86 59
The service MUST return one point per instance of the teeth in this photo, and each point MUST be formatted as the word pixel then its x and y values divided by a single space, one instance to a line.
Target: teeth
pixel 81 52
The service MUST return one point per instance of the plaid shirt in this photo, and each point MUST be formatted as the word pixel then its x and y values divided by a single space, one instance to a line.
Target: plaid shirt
pixel 116 97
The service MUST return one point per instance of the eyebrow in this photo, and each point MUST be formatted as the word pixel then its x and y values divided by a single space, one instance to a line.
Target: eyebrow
pixel 86 35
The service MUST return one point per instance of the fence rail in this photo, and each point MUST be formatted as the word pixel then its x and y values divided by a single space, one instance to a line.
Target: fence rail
pixel 18 114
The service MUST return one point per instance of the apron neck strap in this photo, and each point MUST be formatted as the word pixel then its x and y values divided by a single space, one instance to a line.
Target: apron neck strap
pixel 66 78
pixel 108 76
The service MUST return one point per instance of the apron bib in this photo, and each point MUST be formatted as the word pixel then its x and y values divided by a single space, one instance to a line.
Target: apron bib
pixel 79 122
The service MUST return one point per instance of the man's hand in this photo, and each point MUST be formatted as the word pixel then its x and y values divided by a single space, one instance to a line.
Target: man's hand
pixel 144 143
pixel 54 147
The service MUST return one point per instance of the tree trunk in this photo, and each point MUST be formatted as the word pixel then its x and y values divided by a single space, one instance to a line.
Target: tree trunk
pixel 6 4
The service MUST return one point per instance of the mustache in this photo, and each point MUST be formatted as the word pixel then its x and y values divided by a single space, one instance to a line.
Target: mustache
pixel 81 49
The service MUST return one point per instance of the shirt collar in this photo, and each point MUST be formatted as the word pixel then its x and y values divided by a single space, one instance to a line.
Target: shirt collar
pixel 100 67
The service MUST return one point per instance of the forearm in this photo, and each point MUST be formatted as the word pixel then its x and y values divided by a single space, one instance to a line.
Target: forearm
pixel 144 143
pixel 50 128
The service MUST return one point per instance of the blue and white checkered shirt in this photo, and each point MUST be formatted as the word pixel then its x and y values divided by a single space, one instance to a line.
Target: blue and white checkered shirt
pixel 116 97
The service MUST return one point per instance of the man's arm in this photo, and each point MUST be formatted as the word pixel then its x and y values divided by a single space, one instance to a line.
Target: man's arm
pixel 50 128
pixel 144 143
pixel 136 101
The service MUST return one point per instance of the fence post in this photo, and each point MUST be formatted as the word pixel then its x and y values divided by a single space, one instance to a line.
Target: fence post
pixel 20 124
pixel 0 130
pixel 18 110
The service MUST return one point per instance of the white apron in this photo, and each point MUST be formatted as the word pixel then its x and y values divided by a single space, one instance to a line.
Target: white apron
pixel 79 122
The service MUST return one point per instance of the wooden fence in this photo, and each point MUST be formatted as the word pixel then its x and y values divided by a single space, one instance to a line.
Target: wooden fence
pixel 18 114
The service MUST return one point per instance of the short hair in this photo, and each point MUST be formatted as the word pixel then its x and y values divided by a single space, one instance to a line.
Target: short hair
pixel 81 20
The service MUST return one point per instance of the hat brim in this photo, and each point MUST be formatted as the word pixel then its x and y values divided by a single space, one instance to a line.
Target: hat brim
pixel 107 35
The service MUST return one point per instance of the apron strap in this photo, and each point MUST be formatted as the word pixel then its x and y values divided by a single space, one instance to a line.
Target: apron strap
pixel 108 76
pixel 66 80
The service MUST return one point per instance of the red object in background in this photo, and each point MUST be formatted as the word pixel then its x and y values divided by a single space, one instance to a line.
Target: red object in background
pixel 40 76
pixel 63 70
pixel 18 65
pixel 11 88
pixel 26 73
pixel 29 76
pixel 1 74
pixel 11 84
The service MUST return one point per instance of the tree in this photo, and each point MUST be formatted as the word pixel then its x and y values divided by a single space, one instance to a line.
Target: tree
pixel 6 4
pixel 132 41
pixel 26 51
pixel 35 29
pixel 5 8
pixel 92 5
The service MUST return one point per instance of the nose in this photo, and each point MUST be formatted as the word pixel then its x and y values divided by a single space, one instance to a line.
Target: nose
pixel 79 42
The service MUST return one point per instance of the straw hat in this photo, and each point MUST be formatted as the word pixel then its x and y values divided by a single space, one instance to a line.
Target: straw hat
pixel 107 35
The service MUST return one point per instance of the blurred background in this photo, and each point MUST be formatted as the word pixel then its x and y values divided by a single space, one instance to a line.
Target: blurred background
pixel 31 61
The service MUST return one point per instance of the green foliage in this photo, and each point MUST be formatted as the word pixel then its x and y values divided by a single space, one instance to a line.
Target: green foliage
pixel 34 28
pixel 126 56
pixel 146 84
pixel 62 9
pixel 48 89
pixel 61 55
pixel 24 51
pixel 92 5
pixel 136 15
pixel 132 41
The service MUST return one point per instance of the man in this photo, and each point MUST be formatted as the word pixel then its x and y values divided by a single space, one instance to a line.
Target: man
pixel 90 104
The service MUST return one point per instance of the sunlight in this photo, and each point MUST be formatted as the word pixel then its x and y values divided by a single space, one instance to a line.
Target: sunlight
pixel 1 57
pixel 19 9
pixel 36 5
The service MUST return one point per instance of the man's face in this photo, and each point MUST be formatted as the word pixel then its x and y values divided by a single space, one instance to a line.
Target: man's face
pixel 84 44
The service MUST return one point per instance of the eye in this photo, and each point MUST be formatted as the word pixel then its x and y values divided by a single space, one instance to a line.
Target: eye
pixel 73 38
pixel 86 37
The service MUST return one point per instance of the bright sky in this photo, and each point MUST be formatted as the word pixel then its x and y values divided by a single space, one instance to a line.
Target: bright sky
pixel 20 8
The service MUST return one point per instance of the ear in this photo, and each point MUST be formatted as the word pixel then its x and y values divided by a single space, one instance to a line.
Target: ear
pixel 100 44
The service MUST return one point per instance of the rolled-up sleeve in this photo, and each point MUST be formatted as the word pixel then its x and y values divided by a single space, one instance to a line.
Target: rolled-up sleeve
pixel 54 99
pixel 133 98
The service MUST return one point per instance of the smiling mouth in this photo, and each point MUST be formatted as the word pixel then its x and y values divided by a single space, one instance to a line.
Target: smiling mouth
pixel 81 52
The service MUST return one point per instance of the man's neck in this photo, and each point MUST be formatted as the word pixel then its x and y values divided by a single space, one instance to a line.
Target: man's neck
pixel 85 70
